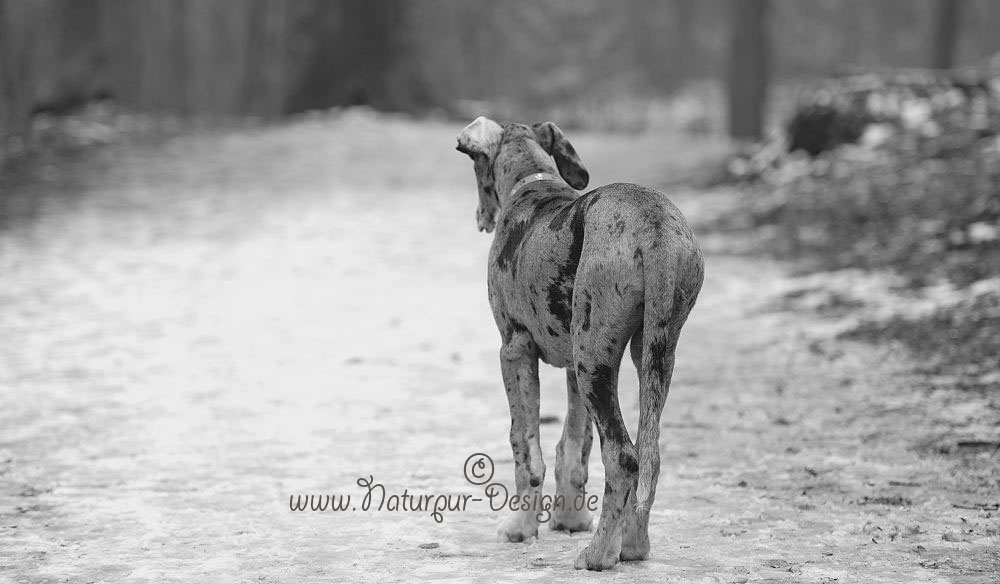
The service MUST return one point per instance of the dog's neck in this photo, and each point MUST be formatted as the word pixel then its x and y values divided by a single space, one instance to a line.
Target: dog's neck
pixel 535 177
pixel 510 184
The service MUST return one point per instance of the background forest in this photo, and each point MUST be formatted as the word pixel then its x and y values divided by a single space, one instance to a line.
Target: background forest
pixel 594 62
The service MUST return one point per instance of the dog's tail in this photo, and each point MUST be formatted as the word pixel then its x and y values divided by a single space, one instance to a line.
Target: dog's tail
pixel 666 307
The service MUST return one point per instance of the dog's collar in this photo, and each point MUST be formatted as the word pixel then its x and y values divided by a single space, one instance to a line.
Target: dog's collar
pixel 530 179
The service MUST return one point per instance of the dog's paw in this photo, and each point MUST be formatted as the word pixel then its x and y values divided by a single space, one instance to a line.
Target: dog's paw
pixel 634 552
pixel 596 561
pixel 517 528
pixel 635 538
pixel 572 521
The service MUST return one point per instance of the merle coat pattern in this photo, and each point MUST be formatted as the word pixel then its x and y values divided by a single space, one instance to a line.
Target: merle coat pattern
pixel 573 280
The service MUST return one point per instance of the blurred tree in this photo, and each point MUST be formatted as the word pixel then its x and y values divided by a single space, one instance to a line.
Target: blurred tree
pixel 946 19
pixel 16 71
pixel 197 56
pixel 68 62
pixel 663 42
pixel 748 68
pixel 361 55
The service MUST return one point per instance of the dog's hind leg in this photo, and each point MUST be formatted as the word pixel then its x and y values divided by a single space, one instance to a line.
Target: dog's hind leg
pixel 598 382
pixel 519 365
pixel 669 296
pixel 604 319
pixel 652 396
pixel 572 456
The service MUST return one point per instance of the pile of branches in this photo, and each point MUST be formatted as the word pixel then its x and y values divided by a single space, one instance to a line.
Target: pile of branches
pixel 893 170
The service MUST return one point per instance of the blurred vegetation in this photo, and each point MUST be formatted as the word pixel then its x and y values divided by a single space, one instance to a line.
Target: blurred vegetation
pixel 893 171
pixel 878 171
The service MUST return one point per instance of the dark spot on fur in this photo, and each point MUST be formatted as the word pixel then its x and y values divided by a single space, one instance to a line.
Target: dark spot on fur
pixel 560 291
pixel 618 228
pixel 552 331
pixel 580 367
pixel 658 353
pixel 628 462
pixel 508 253
pixel 577 227
pixel 602 391
pixel 535 481
pixel 559 298
pixel 603 400
pixel 585 325
pixel 662 347
pixel 637 256
pixel 559 221
pixel 575 206
pixel 546 202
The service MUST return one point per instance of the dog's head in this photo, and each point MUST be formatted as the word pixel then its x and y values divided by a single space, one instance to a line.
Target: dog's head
pixel 492 146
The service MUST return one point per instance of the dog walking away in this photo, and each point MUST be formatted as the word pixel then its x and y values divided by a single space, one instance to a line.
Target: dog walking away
pixel 572 280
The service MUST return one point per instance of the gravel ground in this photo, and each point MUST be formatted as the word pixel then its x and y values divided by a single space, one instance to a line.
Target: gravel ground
pixel 195 330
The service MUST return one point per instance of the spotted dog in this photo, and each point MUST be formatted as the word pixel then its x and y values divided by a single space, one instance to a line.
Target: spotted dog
pixel 573 279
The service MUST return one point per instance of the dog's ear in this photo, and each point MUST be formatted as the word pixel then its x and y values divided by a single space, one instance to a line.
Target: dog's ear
pixel 489 203
pixel 482 136
pixel 551 138
pixel 481 141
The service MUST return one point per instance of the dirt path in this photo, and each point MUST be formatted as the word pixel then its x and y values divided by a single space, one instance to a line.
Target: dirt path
pixel 199 330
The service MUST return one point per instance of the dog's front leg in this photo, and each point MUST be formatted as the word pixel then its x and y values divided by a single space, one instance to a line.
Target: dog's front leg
pixel 519 364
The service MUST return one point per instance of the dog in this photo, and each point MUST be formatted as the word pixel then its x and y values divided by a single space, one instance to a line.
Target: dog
pixel 572 280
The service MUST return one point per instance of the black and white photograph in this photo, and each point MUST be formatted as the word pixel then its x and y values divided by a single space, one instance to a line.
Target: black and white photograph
pixel 308 291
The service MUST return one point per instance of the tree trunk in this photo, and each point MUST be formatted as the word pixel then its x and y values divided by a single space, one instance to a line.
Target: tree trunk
pixel 946 18
pixel 360 53
pixel 17 82
pixel 748 68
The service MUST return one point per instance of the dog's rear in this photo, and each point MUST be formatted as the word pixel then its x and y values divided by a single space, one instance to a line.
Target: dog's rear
pixel 646 244
pixel 673 272
pixel 639 275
